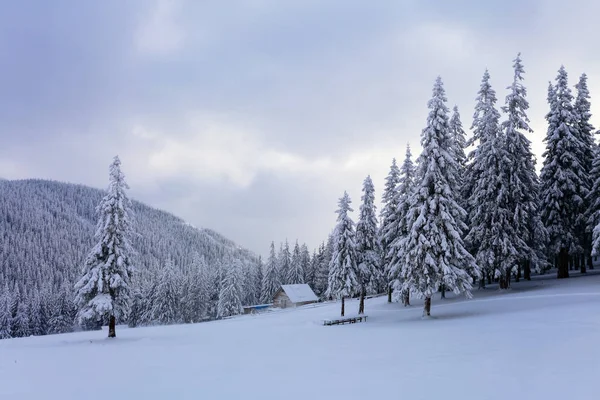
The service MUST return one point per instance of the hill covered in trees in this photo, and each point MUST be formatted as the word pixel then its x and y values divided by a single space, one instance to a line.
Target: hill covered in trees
pixel 47 230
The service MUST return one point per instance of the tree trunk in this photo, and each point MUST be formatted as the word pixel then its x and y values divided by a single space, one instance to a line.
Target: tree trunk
pixel 443 290
pixel 361 304
pixel 518 274
pixel 563 264
pixel 427 307
pixel 482 282
pixel 571 262
pixel 489 278
pixel 590 263
pixel 527 270
pixel 389 293
pixel 112 332
pixel 406 298
pixel 582 261
pixel 342 306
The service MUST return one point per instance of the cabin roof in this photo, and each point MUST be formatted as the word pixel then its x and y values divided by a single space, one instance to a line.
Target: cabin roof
pixel 299 293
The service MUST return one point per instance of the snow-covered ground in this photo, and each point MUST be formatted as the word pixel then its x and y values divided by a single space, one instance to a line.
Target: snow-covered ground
pixel 536 341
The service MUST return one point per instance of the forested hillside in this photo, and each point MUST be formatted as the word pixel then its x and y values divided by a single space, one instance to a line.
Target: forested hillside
pixel 47 230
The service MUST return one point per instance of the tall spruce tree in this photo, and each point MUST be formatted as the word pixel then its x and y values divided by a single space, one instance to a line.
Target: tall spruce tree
pixel 343 280
pixel 433 251
pixel 594 199
pixel 165 298
pixel 457 133
pixel 270 284
pixel 492 238
pixel 284 262
pixel 258 279
pixel 562 176
pixel 368 252
pixel 230 295
pixel 322 273
pixel 388 215
pixel 404 193
pixel 295 272
pixel 523 184
pixel 585 132
pixel 103 292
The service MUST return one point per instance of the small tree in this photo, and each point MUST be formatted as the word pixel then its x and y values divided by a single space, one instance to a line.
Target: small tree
pixel 433 251
pixel 367 245
pixel 103 291
pixel 343 281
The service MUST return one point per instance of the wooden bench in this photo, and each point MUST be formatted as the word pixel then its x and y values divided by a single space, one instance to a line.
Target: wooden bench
pixel 342 321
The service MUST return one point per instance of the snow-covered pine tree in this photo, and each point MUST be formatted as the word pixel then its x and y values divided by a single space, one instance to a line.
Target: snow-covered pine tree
pixel 5 315
pixel 342 281
pixel 562 184
pixel 457 133
pixel 284 262
pixel 21 321
pixel 258 279
pixel 295 272
pixel 387 218
pixel 368 253
pixel 270 284
pixel 230 302
pixel 306 266
pixel 485 95
pixel 322 272
pixel 434 253
pixel 594 198
pixel 247 287
pixel 523 184
pixel 165 298
pixel 103 292
pixel 493 238
pixel 585 132
pixel 313 270
pixel 404 193
pixel 194 302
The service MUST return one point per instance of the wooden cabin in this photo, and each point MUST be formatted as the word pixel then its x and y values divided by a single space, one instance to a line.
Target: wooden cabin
pixel 294 296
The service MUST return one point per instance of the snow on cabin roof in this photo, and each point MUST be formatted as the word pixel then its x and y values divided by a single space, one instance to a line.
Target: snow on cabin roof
pixel 299 293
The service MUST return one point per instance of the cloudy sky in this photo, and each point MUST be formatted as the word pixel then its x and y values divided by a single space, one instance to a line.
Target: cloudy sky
pixel 252 117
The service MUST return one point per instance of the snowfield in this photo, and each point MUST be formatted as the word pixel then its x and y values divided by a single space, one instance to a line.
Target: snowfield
pixel 536 341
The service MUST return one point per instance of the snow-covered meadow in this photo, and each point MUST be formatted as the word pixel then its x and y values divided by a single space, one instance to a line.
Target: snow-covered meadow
pixel 536 341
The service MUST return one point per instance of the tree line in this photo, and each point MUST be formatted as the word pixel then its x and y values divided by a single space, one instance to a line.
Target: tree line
pixel 458 218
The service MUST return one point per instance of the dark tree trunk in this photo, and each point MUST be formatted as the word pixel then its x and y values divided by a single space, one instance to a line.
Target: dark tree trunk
pixel 563 264
pixel 406 298
pixel 443 290
pixel 361 304
pixel 489 278
pixel 482 282
pixel 582 261
pixel 112 332
pixel 342 306
pixel 590 263
pixel 389 293
pixel 527 270
pixel 518 274
pixel 427 307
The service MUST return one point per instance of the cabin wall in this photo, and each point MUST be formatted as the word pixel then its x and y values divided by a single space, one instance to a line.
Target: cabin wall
pixel 282 300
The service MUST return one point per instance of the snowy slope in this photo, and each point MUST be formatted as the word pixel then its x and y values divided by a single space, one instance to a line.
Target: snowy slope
pixel 537 341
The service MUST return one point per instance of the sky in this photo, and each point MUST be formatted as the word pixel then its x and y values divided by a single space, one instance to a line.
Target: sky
pixel 252 117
